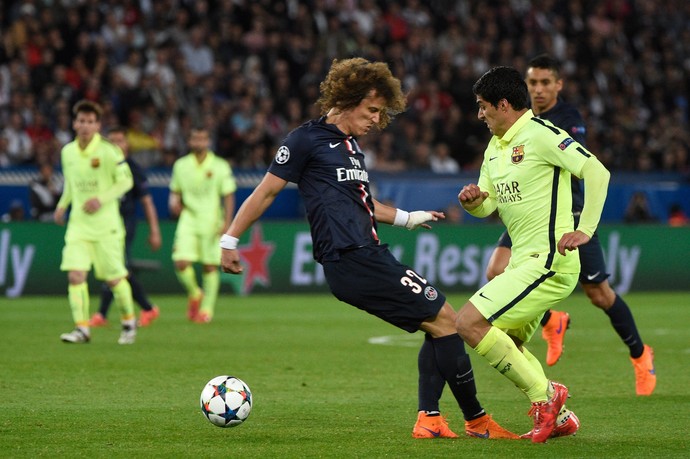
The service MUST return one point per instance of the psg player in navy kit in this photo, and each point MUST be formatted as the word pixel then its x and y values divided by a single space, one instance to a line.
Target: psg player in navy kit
pixel 544 84
pixel 323 158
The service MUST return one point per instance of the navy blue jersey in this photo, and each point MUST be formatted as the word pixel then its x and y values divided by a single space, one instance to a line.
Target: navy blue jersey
pixel 328 168
pixel 128 202
pixel 566 117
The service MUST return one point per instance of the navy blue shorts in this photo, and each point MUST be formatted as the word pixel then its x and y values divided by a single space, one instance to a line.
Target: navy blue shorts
pixel 592 264
pixel 371 279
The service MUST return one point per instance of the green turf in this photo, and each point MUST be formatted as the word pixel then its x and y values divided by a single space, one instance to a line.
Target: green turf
pixel 321 389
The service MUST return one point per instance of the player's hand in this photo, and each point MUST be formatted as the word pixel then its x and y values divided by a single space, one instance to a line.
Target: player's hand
pixel 59 216
pixel 155 240
pixel 175 209
pixel 572 240
pixel 471 196
pixel 92 205
pixel 175 205
pixel 420 217
pixel 230 261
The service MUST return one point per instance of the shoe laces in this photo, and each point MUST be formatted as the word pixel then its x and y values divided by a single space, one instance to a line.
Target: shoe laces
pixel 536 411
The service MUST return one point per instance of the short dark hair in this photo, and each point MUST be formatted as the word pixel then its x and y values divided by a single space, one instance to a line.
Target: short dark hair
pixel 544 61
pixel 87 106
pixel 117 129
pixel 503 83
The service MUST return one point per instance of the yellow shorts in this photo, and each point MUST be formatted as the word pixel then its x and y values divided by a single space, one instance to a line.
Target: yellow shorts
pixel 197 248
pixel 516 300
pixel 107 257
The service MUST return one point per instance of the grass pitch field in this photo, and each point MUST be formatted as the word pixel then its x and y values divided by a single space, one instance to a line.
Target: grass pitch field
pixel 327 380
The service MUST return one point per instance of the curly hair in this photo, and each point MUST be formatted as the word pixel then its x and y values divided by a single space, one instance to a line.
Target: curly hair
pixel 349 81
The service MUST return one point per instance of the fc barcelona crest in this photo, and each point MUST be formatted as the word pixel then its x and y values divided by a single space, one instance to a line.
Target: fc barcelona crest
pixel 95 162
pixel 518 154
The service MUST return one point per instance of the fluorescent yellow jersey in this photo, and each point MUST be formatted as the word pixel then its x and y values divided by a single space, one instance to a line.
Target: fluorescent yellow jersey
pixel 99 171
pixel 201 186
pixel 527 174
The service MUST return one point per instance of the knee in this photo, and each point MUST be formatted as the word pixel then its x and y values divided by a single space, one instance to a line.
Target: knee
pixel 113 283
pixel 76 277
pixel 601 295
pixel 471 325
pixel 181 265
pixel 492 272
pixel 462 322
pixel 444 322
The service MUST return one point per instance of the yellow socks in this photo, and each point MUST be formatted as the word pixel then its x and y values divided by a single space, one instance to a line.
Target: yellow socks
pixel 187 278
pixel 78 297
pixel 211 284
pixel 122 294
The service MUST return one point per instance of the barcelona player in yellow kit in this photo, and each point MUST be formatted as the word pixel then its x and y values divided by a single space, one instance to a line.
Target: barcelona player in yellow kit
pixel 96 176
pixel 202 193
pixel 526 176
pixel 545 83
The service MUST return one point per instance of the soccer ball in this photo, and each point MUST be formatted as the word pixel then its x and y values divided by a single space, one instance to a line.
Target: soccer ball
pixel 226 401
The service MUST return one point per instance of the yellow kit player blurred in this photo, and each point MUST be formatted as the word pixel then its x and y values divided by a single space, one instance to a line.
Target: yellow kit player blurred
pixel 96 176
pixel 201 182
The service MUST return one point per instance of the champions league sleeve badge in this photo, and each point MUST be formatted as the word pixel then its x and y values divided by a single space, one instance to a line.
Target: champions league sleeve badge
pixel 283 155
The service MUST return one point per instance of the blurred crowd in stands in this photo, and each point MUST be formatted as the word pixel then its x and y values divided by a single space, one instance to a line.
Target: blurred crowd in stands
pixel 249 71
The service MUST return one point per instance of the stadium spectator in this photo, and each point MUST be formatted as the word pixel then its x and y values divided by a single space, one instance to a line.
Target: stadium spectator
pixel 441 161
pixel 44 193
pixel 15 213
pixel 197 55
pixel 638 210
pixel 627 62
pixel 19 148
pixel 676 216
pixel 381 153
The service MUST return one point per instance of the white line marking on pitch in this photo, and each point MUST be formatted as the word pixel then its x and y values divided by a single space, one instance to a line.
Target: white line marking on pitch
pixel 409 340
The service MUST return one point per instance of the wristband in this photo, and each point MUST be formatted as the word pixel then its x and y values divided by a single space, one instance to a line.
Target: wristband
pixel 401 217
pixel 228 242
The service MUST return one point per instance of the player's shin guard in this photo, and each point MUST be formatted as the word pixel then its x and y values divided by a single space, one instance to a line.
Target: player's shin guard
pixel 138 293
pixel 431 382
pixel 623 322
pixel 211 284
pixel 456 368
pixel 187 278
pixel 503 355
pixel 122 293
pixel 536 365
pixel 78 297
